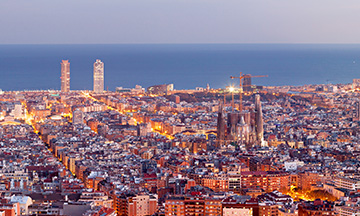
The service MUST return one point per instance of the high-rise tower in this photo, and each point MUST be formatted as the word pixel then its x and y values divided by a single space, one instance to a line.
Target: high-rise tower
pixel 259 127
pixel 247 83
pixel 98 76
pixel 65 76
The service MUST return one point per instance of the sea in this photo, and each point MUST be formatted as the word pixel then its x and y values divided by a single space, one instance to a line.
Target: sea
pixel 187 66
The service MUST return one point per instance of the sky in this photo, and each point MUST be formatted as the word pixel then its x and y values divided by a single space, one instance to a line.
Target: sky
pixel 178 21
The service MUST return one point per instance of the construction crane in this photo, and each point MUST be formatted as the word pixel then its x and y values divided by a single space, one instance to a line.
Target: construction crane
pixel 241 77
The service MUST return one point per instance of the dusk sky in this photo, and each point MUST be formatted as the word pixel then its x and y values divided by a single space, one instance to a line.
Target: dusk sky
pixel 179 21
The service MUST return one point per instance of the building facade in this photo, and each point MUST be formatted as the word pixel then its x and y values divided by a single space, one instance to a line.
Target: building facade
pixel 142 205
pixel 78 117
pixel 183 205
pixel 160 89
pixel 247 83
pixel 98 76
pixel 65 76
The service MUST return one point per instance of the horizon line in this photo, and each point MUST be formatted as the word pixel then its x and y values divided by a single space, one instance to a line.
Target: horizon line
pixel 260 43
pixel 59 90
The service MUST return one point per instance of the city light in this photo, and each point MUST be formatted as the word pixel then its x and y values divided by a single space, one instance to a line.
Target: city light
pixel 231 89
pixel 110 141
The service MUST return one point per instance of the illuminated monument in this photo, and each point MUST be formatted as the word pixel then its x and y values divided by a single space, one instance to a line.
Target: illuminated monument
pixel 98 76
pixel 220 135
pixel 65 76
pixel 259 125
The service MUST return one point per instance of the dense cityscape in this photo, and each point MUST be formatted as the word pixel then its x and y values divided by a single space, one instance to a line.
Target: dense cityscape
pixel 240 150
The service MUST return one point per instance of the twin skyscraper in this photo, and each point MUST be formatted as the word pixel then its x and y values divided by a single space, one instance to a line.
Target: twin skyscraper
pixel 98 76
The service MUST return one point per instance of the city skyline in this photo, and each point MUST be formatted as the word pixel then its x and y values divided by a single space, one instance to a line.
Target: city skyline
pixel 186 66
pixel 161 147
pixel 221 143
